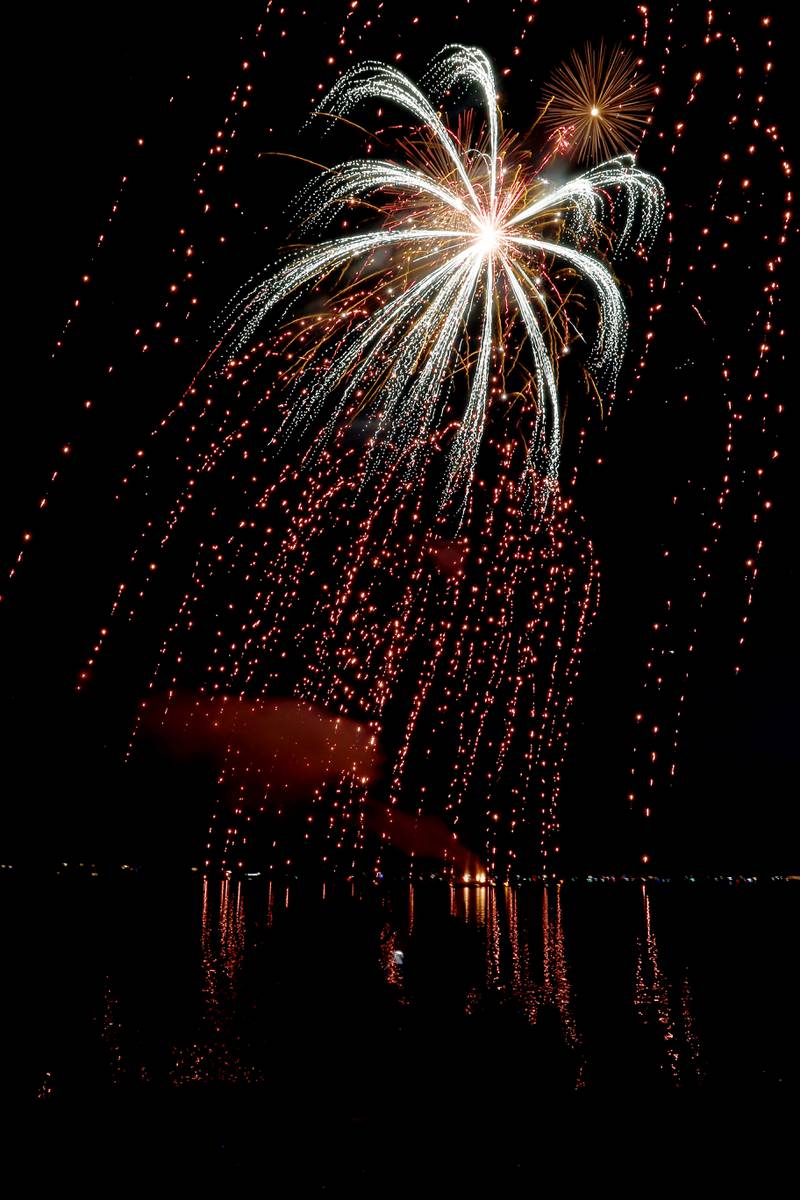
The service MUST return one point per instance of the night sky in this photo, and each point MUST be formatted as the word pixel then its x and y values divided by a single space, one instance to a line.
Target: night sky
pixel 86 86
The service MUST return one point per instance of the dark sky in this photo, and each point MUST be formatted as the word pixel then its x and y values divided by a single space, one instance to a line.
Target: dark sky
pixel 84 88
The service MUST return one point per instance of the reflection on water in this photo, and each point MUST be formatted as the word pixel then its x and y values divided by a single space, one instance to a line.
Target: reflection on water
pixel 392 959
pixel 525 958
pixel 215 1056
pixel 664 1007
pixel 256 983
pixel 112 1033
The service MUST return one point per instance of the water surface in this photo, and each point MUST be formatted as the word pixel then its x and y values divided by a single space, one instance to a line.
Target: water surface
pixel 372 998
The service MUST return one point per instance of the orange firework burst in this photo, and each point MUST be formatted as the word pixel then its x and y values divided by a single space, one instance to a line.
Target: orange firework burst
pixel 601 99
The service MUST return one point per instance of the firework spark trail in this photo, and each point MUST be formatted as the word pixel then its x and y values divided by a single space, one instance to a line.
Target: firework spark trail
pixel 748 418
pixel 417 623
pixel 374 655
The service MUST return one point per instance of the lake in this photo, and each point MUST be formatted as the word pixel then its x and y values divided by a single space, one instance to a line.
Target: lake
pixel 361 1010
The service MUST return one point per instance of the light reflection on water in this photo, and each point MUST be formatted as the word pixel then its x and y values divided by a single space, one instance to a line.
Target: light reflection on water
pixel 215 1055
pixel 578 988
pixel 668 1008
pixel 524 960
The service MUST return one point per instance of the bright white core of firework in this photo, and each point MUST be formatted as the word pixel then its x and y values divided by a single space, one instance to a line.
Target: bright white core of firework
pixel 488 239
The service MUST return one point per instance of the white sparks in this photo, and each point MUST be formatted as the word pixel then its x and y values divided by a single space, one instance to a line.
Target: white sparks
pixel 468 244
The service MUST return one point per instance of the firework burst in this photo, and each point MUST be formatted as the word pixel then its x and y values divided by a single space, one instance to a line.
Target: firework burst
pixel 474 251
pixel 600 100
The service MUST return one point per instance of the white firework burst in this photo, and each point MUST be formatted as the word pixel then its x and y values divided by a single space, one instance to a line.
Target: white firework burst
pixel 469 243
